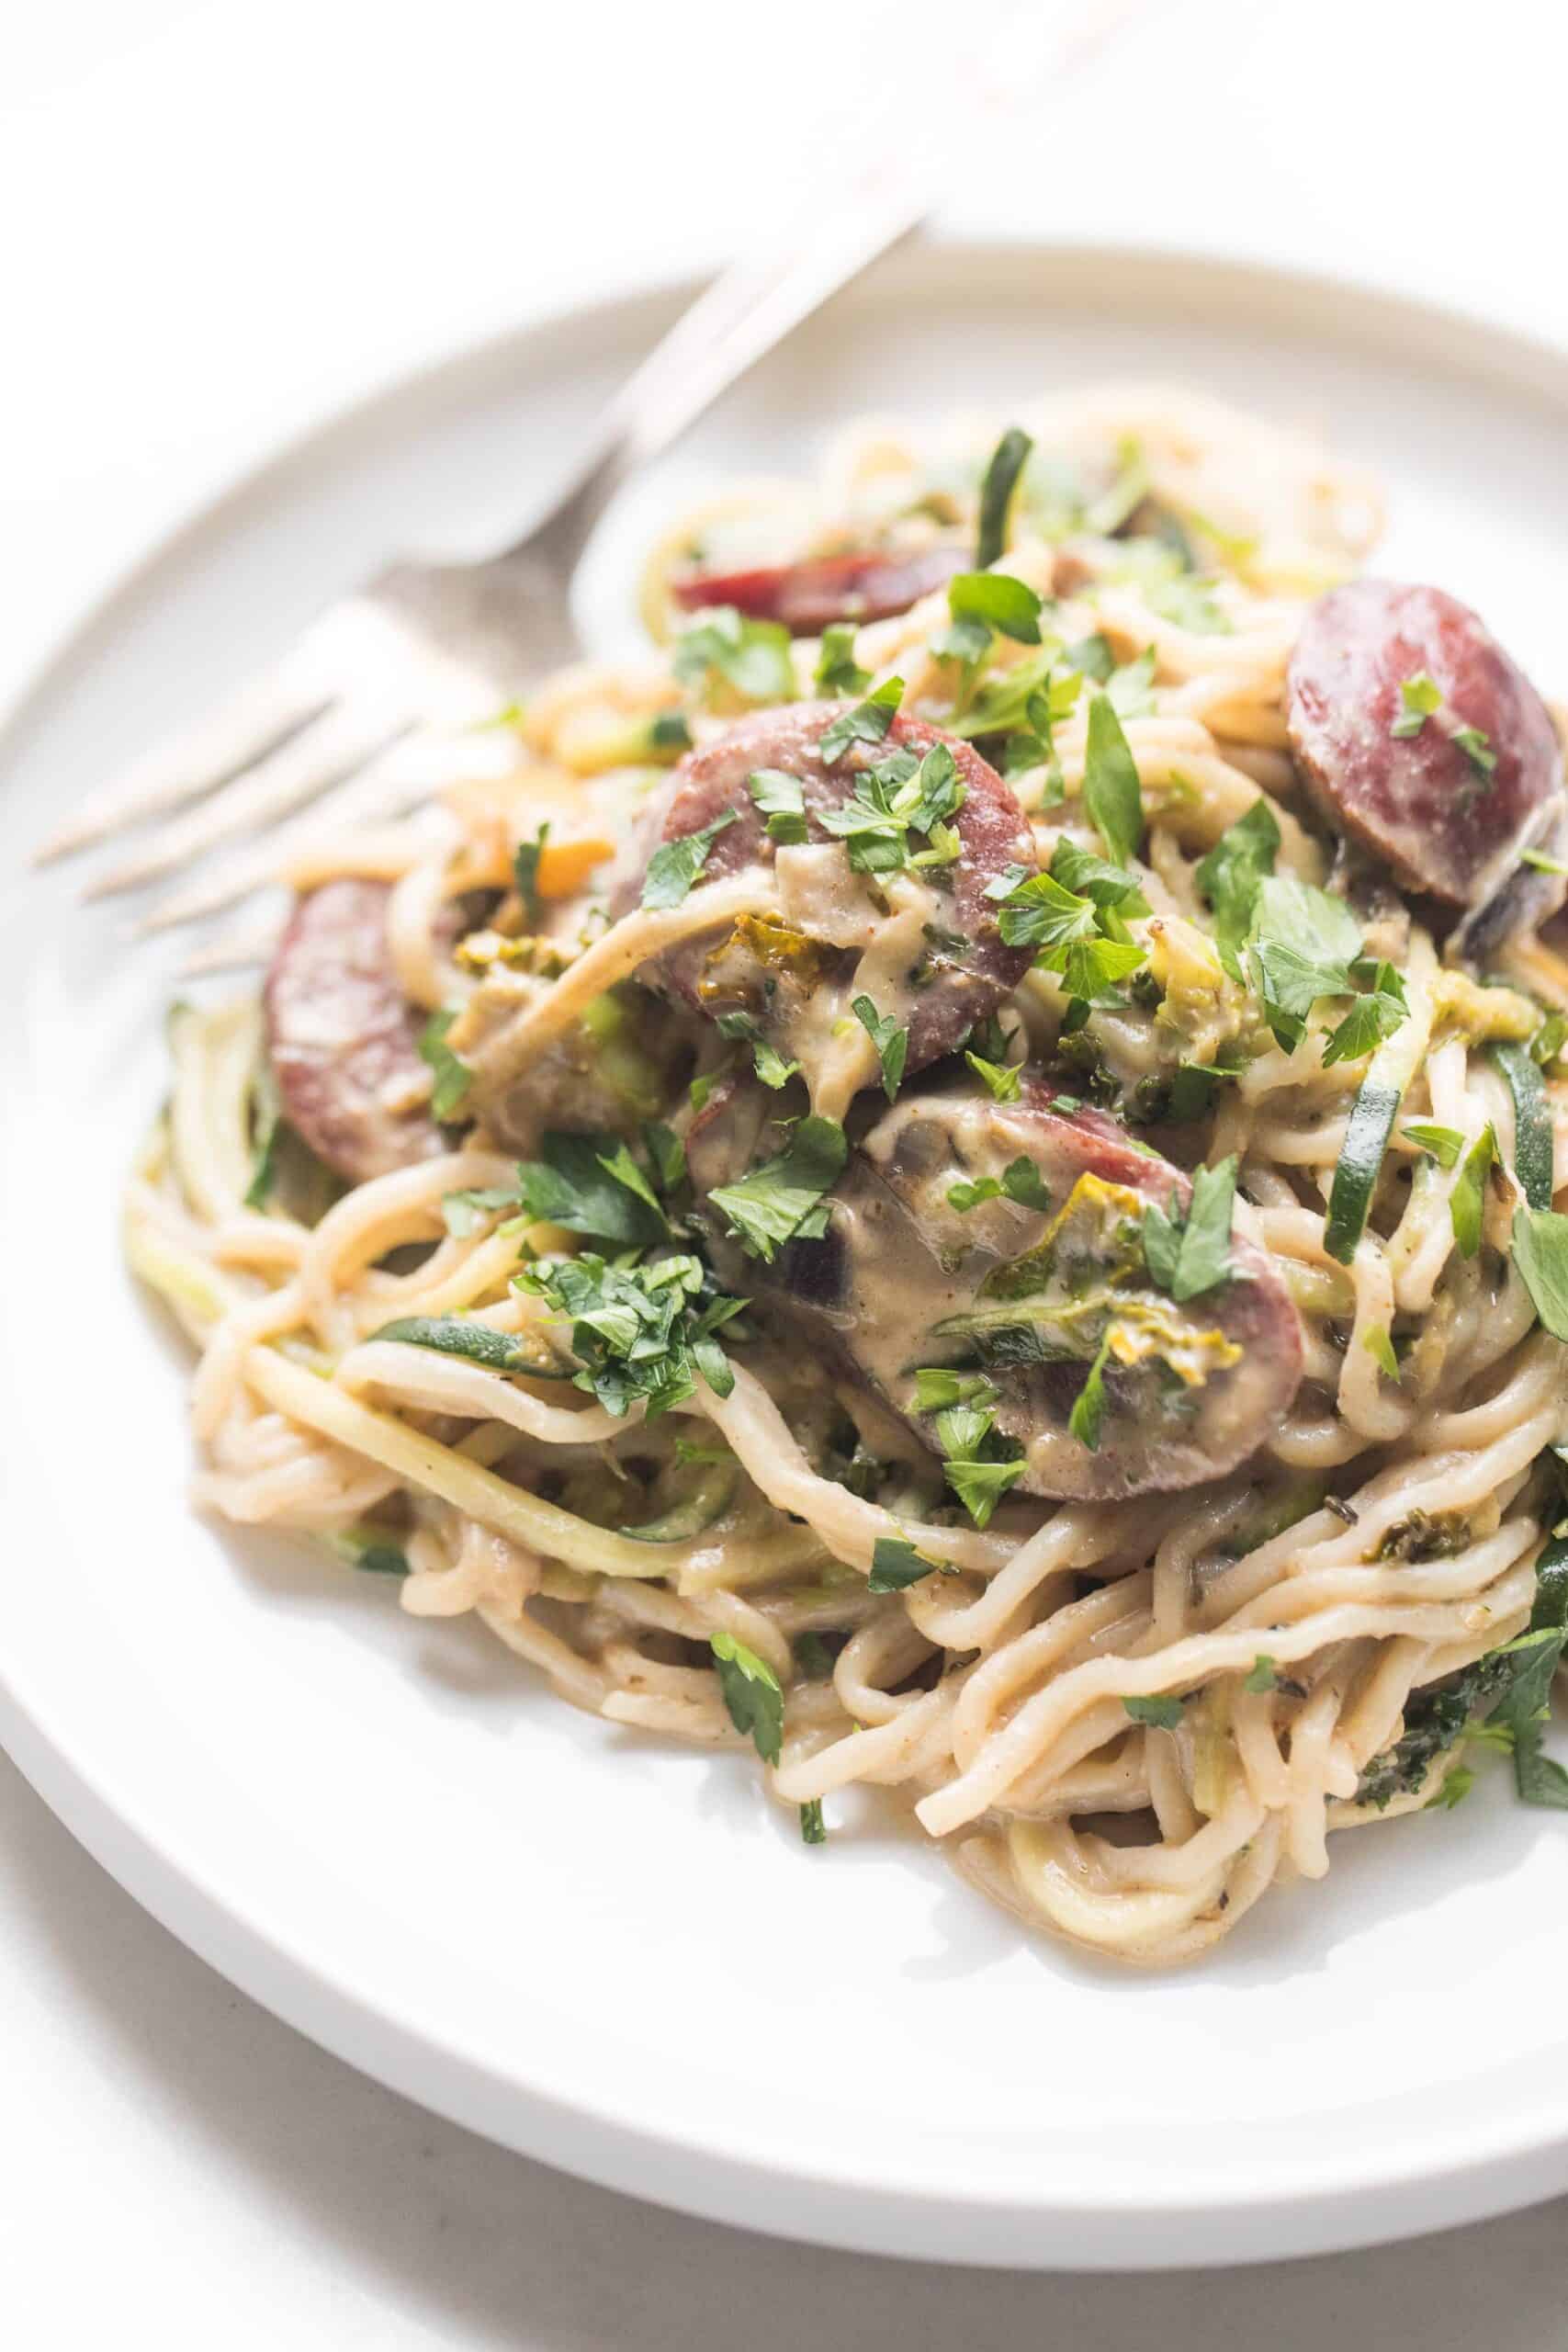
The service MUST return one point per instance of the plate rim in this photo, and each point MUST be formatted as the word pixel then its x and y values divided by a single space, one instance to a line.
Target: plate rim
pixel 590 2137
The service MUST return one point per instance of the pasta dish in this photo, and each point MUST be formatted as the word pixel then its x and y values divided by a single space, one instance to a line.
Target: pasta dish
pixel 948 1179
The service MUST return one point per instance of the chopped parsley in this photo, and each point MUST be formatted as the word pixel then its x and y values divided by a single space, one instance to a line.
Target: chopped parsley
pixel 1111 793
pixel 1443 1144
pixel 525 874
pixel 1189 1254
pixel 1419 697
pixel 838 672
pixel 937 1388
pixel 1303 944
pixel 781 1200
pixel 642 1333
pixel 995 600
pixel 1541 1253
pixel 1002 1079
pixel 464 1212
pixel 453 1076
pixel 1476 745
pixel 579 1183
pixel 781 798
pixel 675 865
pixel 266 1131
pixel 1232 874
pixel 1262 1677
pixel 978 1465
pixel 896 1565
pixel 768 1062
pixel 752 1695
pixel 1020 1181
pixel 897 795
pixel 891 1042
pixel 752 658
pixel 1088 1416
pixel 1378 1343
pixel 1373 1017
pixel 1468 1197
pixel 1162 1715
pixel 864 722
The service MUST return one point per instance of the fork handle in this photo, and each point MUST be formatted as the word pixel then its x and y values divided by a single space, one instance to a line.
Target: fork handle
pixel 751 308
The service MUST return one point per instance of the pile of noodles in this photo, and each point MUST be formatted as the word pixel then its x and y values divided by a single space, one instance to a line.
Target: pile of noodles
pixel 995 1695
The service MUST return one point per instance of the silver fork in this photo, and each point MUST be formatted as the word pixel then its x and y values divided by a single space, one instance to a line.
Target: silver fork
pixel 355 722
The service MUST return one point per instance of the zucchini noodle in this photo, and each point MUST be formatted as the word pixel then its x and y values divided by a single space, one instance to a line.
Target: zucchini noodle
pixel 1128 1717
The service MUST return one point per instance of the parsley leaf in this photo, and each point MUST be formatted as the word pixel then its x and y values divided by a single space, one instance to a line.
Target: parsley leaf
pixel 1087 1415
pixel 891 1042
pixel 1095 879
pixel 1002 470
pixel 781 1199
pixel 453 1076
pixel 1262 1677
pixel 1476 745
pixel 1020 1181
pixel 1002 1079
pixel 464 1212
pixel 1111 793
pixel 865 722
pixel 1469 1195
pixel 525 874
pixel 578 1185
pixel 1302 945
pixel 980 1465
pixel 937 1388
pixel 1232 875
pixel 782 800
pixel 998 601
pixel 1130 690
pixel 1163 1713
pixel 641 1333
pixel 751 1693
pixel 1443 1144
pixel 768 1062
pixel 1038 912
pixel 1379 1345
pixel 1370 1019
pixel 895 1563
pixel 838 672
pixel 752 657
pixel 675 865
pixel 1419 697
pixel 1541 1253
pixel 1189 1255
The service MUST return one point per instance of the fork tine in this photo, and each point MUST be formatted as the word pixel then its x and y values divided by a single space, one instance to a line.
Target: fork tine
pixel 410 771
pixel 253 720
pixel 333 747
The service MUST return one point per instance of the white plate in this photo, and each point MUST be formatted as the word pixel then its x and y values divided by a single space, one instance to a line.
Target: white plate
pixel 616 1955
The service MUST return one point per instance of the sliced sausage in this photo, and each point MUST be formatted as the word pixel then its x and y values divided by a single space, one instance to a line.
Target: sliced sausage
pixel 792 972
pixel 905 1279
pixel 1446 821
pixel 864 585
pixel 344 1039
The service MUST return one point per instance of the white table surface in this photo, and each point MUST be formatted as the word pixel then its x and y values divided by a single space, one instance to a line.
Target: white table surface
pixel 222 217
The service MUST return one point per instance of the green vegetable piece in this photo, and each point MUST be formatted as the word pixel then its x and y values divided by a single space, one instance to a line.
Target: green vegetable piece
pixel 1163 1713
pixel 1378 1343
pixel 998 601
pixel 450 1335
pixel 895 1563
pixel 838 672
pixel 1003 469
pixel 1232 874
pixel 865 722
pixel 1087 1420
pixel 578 1183
pixel 266 1128
pixel 1003 1080
pixel 1443 1144
pixel 753 658
pixel 812 1828
pixel 1419 697
pixel 769 1063
pixel 1541 1253
pixel 891 1042
pixel 1533 1153
pixel 675 865
pixel 453 1078
pixel 1262 1677
pixel 1303 944
pixel 1366 1132
pixel 1189 1254
pixel 1111 793
pixel 751 1693
pixel 782 800
pixel 1468 1198
pixel 781 1199
pixel 464 1212
pixel 525 874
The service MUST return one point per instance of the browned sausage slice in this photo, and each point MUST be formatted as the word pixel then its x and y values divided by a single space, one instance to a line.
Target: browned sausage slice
pixel 343 1037
pixel 959 971
pixel 808 597
pixel 1024 1295
pixel 1449 820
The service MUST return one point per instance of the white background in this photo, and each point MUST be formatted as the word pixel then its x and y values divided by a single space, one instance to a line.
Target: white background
pixel 218 221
